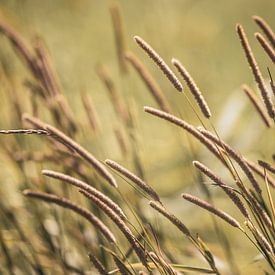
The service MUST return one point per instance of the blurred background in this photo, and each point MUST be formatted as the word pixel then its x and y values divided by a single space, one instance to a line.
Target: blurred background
pixel 79 35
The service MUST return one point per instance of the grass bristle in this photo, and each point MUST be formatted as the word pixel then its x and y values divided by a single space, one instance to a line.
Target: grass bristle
pixel 160 62
pixel 265 28
pixel 51 198
pixel 236 156
pixel 193 88
pixel 134 178
pixel 85 186
pixel 173 219
pixel 256 71
pixel 83 153
pixel 212 209
pixel 268 48
pixel 231 194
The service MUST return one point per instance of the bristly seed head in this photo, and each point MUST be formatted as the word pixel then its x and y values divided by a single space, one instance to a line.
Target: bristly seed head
pixel 256 71
pixel 160 62
pixel 212 209
pixel 134 178
pixel 173 219
pixel 193 88
pixel 231 194
pixel 85 186
pixel 65 203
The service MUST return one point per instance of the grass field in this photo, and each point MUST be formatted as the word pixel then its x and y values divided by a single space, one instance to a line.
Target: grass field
pixel 63 62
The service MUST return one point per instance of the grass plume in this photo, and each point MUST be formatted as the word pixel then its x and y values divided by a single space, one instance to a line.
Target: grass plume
pixel 159 62
pixel 256 71
pixel 193 88
pixel 265 28
pixel 83 153
pixel 212 209
pixel 134 178
pixel 51 198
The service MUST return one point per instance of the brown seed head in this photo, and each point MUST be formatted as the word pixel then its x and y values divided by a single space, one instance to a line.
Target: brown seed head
pixel 160 62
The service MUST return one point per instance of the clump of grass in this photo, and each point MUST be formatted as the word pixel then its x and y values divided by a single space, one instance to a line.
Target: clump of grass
pixel 104 206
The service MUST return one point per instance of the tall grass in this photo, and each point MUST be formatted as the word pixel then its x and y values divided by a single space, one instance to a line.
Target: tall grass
pixel 124 237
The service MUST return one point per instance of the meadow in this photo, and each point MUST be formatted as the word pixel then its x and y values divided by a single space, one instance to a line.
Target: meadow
pixel 137 137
